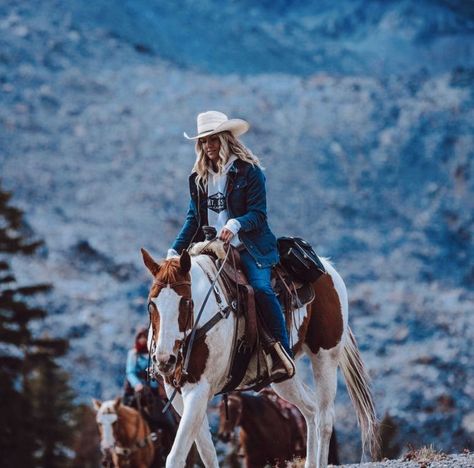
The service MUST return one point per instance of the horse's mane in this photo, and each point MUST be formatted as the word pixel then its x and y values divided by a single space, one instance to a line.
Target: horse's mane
pixel 169 271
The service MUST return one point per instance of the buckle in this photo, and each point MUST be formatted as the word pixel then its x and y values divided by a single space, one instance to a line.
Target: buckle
pixel 225 312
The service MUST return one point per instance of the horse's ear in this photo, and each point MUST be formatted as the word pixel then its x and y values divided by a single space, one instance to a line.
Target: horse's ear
pixel 117 403
pixel 150 263
pixel 184 262
pixel 96 404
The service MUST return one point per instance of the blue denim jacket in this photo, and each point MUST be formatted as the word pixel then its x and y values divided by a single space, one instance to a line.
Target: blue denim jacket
pixel 246 202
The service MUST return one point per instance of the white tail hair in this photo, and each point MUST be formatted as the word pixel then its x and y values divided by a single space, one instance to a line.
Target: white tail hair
pixel 358 385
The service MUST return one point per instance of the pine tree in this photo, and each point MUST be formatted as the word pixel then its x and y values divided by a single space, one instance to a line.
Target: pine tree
pixel 51 399
pixel 35 399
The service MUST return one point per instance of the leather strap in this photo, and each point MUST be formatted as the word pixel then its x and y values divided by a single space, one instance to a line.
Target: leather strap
pixel 213 321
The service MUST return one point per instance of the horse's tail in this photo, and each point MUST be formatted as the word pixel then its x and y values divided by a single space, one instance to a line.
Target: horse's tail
pixel 358 386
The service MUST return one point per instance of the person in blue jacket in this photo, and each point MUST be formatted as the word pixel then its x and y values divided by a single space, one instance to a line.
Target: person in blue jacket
pixel 227 188
pixel 137 384
pixel 137 363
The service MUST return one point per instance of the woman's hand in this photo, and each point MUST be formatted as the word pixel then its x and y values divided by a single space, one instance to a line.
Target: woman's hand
pixel 226 235
pixel 138 387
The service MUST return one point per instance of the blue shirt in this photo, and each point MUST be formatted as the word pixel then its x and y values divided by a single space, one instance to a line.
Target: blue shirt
pixel 137 364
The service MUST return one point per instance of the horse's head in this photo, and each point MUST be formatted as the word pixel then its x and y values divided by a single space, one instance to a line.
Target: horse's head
pixel 107 418
pixel 170 307
pixel 230 420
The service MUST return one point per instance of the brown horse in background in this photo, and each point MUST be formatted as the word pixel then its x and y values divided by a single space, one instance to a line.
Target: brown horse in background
pixel 126 439
pixel 272 430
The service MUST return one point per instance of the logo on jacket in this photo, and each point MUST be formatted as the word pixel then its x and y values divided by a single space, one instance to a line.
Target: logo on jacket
pixel 216 202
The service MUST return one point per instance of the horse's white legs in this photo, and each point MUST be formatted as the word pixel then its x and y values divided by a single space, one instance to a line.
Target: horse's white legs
pixel 204 443
pixel 296 392
pixel 325 375
pixel 194 405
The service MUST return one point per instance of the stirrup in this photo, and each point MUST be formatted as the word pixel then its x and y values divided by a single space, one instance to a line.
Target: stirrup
pixel 283 367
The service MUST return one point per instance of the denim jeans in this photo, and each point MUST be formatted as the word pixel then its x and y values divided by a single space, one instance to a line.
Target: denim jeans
pixel 267 302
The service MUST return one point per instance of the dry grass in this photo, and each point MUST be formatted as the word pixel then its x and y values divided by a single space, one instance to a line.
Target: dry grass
pixel 296 463
pixel 424 456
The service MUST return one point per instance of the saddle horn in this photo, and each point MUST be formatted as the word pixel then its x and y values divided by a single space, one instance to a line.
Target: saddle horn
pixel 210 232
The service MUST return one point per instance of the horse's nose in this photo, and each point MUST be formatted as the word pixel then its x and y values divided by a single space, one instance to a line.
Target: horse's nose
pixel 166 363
pixel 224 436
pixel 107 460
pixel 165 358
pixel 106 447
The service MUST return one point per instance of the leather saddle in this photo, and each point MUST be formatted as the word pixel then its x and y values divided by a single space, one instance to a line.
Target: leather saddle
pixel 251 343
pixel 290 293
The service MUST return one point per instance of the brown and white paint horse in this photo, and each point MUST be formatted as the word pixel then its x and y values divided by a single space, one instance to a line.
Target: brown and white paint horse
pixel 319 330
pixel 125 437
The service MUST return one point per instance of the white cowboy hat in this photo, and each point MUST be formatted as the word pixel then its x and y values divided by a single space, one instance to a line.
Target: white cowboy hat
pixel 211 122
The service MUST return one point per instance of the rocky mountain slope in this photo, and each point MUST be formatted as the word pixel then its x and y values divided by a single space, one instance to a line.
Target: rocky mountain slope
pixel 363 117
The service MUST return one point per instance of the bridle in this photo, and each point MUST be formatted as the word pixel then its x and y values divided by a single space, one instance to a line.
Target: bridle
pixel 189 306
pixel 171 285
pixel 124 452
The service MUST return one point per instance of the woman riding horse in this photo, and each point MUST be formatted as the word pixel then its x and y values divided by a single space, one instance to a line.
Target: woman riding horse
pixel 143 393
pixel 227 189
pixel 137 364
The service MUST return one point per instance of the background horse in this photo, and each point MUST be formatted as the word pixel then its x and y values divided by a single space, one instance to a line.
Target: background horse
pixel 165 424
pixel 125 436
pixel 319 329
pixel 150 404
pixel 272 430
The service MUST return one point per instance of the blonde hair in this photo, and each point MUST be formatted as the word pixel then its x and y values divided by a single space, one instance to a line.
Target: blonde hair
pixel 229 145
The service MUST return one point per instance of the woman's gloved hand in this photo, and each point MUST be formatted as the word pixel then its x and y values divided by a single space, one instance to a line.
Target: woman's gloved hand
pixel 226 235
pixel 230 229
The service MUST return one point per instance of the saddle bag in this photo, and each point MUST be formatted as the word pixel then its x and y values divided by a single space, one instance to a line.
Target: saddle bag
pixel 299 260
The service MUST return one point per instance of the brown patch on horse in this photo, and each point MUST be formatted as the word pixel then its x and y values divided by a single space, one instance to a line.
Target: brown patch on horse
pixel 198 360
pixel 185 317
pixel 196 367
pixel 155 322
pixel 325 326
